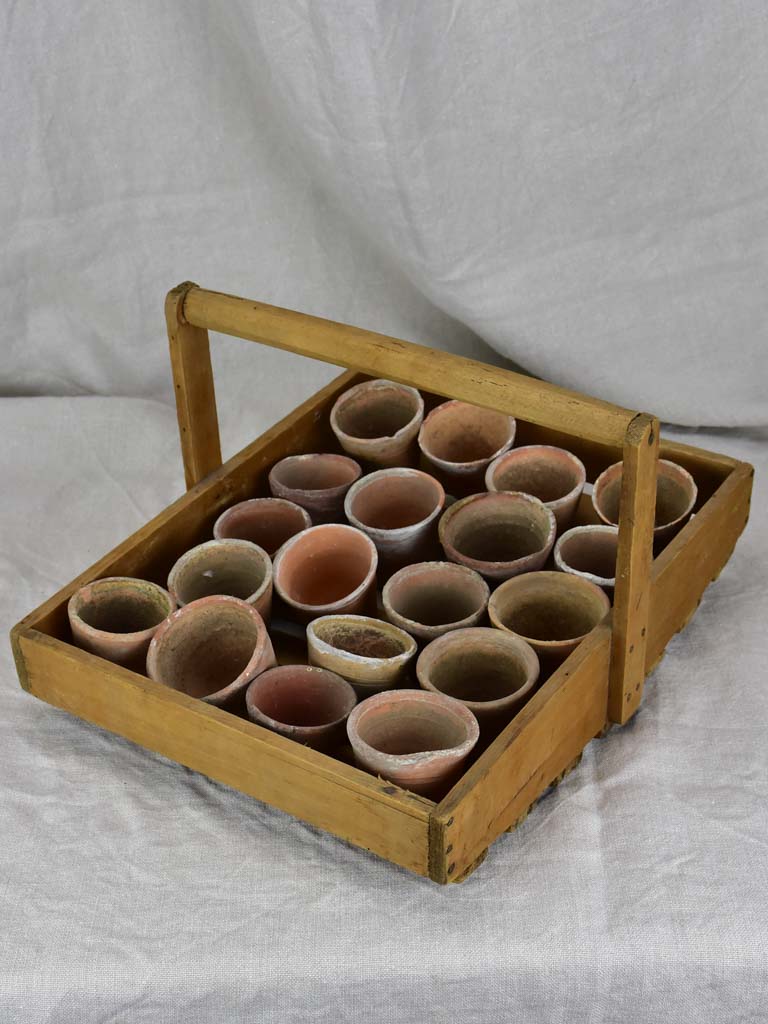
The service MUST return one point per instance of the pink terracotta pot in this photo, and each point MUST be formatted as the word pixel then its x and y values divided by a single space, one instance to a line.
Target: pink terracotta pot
pixel 318 483
pixel 428 599
pixel 459 440
pixel 307 704
pixel 499 534
pixel 553 475
pixel 370 654
pixel 212 649
pixel 589 552
pixel 234 567
pixel 378 421
pixel 417 740
pixel 268 522
pixel 327 570
pixel 116 618
pixel 676 494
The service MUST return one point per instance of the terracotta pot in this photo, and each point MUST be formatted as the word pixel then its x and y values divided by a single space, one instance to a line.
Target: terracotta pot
pixel 304 703
pixel 499 534
pixel 234 567
pixel 211 648
pixel 378 421
pixel 370 654
pixel 116 618
pixel 490 672
pixel 553 475
pixel 552 611
pixel 268 522
pixel 318 483
pixel 460 440
pixel 417 740
pixel 431 598
pixel 327 570
pixel 589 552
pixel 676 494
pixel 398 509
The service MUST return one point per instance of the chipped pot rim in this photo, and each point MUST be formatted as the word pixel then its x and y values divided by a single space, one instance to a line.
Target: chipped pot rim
pixel 378 384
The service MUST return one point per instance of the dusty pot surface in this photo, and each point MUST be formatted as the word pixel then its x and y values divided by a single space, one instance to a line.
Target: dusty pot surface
pixel 460 440
pixel 318 482
pixel 552 611
pixel 326 570
pixel 417 740
pixel 303 702
pixel 428 599
pixel 268 522
pixel 499 534
pixel 378 421
pixel 234 567
pixel 553 475
pixel 211 648
pixel 490 672
pixel 369 653
pixel 116 618
pixel 676 494
pixel 589 552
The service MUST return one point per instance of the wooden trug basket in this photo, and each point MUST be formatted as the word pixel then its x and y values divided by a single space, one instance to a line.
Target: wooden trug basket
pixel 599 684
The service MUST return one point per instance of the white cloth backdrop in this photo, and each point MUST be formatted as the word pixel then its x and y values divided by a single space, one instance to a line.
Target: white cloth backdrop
pixel 578 188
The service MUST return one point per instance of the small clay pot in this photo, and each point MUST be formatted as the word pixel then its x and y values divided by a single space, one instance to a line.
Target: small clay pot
pixel 304 703
pixel 589 552
pixel 398 509
pixel 428 599
pixel 234 567
pixel 676 494
pixel 378 421
pixel 553 475
pixel 490 672
pixel 116 618
pixel 211 648
pixel 268 522
pixel 459 440
pixel 552 611
pixel 370 654
pixel 417 740
pixel 499 534
pixel 318 483
pixel 327 570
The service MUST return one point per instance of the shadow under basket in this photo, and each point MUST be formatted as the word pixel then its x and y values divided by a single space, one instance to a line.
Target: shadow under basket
pixel 600 683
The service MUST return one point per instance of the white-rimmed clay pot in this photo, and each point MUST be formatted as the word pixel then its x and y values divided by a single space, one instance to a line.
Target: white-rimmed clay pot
pixel 317 482
pixel 417 740
pixel 307 704
pixel 499 534
pixel 116 618
pixel 398 509
pixel 378 421
pixel 370 654
pixel 553 475
pixel 490 672
pixel 327 570
pixel 211 648
pixel 589 552
pixel 552 611
pixel 459 440
pixel 268 522
pixel 234 567
pixel 428 599
pixel 676 494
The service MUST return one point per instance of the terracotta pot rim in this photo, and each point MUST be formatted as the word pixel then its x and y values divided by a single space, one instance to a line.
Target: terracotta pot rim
pixel 455 568
pixel 304 457
pixel 304 730
pixel 557 503
pixel 372 385
pixel 464 467
pixel 409 648
pixel 661 527
pixel 213 545
pixel 398 532
pixel 565 567
pixel 342 602
pixel 75 603
pixel 249 502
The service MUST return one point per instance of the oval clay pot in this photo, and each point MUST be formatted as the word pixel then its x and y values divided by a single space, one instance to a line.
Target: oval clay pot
pixel 307 704
pixel 417 740
pixel 676 494
pixel 459 440
pixel 552 611
pixel 589 552
pixel 234 567
pixel 268 522
pixel 428 599
pixel 117 617
pixel 553 475
pixel 370 654
pixel 498 534
pixel 317 482
pixel 378 421
pixel 211 648
pixel 327 570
